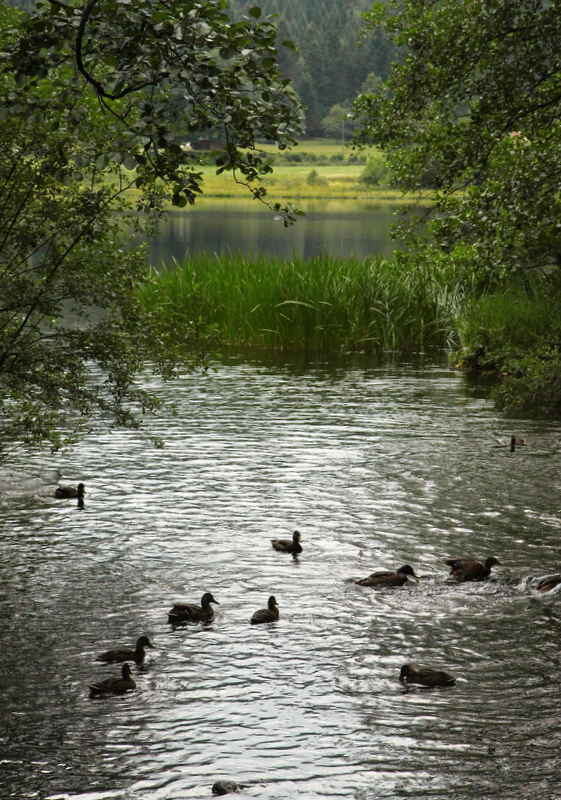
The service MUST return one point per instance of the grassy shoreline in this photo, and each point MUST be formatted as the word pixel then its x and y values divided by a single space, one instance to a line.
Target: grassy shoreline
pixel 322 304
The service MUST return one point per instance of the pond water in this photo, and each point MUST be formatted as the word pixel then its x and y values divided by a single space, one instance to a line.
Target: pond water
pixel 340 228
pixel 377 464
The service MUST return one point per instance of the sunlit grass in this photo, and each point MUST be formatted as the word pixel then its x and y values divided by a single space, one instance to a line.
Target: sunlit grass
pixel 323 304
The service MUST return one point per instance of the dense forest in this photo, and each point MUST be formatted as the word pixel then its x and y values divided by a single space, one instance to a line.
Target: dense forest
pixel 331 66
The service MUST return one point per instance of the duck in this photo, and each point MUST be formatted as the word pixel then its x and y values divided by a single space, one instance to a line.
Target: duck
pixel 187 612
pixel 269 614
pixel 468 569
pixel 513 442
pixel 425 677
pixel 127 654
pixel 548 583
pixel 397 578
pixel 70 492
pixel 114 685
pixel 226 787
pixel 288 545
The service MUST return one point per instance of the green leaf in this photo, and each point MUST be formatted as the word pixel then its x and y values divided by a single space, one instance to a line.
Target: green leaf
pixel 290 45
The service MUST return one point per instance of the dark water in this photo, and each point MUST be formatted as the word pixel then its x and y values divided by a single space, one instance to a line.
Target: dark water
pixel 377 466
pixel 340 228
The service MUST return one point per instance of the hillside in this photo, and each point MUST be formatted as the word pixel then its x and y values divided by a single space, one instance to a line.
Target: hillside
pixel 330 68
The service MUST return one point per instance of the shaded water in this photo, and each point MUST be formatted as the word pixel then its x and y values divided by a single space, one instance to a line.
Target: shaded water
pixel 377 466
pixel 340 228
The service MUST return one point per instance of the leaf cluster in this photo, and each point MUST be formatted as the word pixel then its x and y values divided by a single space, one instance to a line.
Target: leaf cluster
pixel 97 101
pixel 471 115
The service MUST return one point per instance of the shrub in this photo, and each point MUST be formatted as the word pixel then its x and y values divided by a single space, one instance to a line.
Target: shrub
pixel 375 171
pixel 314 179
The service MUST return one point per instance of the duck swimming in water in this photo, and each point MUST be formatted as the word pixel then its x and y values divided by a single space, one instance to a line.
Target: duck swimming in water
pixel 425 677
pixel 70 492
pixel 127 654
pixel 269 614
pixel 114 685
pixel 548 583
pixel 226 787
pixel 513 442
pixel 187 612
pixel 397 578
pixel 288 545
pixel 468 569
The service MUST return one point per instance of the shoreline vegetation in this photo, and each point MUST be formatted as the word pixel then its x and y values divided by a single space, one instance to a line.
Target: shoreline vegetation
pixel 365 305
pixel 322 304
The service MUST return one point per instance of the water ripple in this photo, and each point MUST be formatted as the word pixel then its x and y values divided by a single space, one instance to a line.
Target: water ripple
pixel 377 467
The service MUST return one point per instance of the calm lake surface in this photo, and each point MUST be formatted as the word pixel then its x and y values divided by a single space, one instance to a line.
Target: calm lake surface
pixel 378 465
pixel 340 228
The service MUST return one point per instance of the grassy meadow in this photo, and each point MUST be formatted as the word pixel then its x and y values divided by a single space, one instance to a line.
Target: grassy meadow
pixel 315 168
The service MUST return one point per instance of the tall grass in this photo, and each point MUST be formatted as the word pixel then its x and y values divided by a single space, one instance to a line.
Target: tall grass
pixel 324 304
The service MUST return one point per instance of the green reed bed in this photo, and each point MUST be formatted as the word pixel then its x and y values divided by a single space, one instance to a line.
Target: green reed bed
pixel 324 304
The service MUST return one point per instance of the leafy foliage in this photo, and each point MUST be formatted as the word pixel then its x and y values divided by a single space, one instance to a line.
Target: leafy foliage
pixel 471 118
pixel 96 101
pixel 475 104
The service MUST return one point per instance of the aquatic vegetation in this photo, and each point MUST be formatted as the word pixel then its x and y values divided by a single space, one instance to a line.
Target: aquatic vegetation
pixel 322 304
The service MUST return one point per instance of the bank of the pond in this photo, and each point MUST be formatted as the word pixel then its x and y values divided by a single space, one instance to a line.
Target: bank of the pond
pixel 322 304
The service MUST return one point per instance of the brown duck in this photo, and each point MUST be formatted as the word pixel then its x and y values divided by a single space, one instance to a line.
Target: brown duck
pixel 269 614
pixel 513 442
pixel 127 654
pixel 548 583
pixel 114 685
pixel 70 492
pixel 187 612
pixel 397 578
pixel 425 677
pixel 468 569
pixel 288 545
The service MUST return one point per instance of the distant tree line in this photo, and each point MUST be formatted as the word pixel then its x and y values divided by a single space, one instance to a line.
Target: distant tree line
pixel 331 68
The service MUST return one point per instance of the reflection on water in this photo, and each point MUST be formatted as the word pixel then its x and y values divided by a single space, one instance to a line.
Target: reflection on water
pixel 339 228
pixel 377 466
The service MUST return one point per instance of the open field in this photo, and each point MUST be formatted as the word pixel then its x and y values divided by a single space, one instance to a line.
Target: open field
pixel 322 172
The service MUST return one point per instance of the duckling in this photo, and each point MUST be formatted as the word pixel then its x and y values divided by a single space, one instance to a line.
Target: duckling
pixel 426 677
pixel 269 614
pixel 288 545
pixel 137 655
pixel 388 578
pixel 548 583
pixel 114 685
pixel 468 569
pixel 70 492
pixel 186 612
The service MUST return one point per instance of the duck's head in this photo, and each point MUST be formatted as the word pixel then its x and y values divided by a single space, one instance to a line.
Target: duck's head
pixel 272 603
pixel 126 671
pixel 207 599
pixel 81 489
pixel 407 570
pixel 492 562
pixel 406 671
pixel 143 641
pixel 296 537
